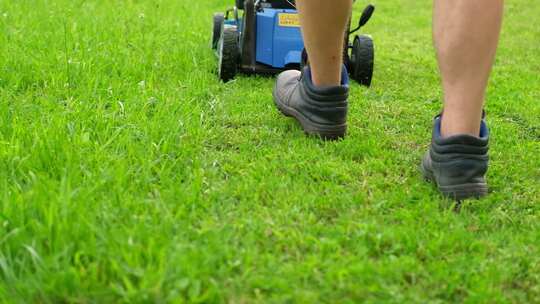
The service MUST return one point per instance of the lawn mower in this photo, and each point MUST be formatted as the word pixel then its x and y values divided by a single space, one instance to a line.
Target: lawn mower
pixel 263 37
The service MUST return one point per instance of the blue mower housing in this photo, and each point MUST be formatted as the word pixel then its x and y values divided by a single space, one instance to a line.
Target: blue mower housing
pixel 267 39
pixel 279 42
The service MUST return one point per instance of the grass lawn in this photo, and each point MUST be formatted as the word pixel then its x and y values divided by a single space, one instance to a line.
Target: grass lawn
pixel 129 173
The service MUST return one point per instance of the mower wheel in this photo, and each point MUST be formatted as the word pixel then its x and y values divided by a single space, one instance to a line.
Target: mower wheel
pixel 240 4
pixel 362 59
pixel 228 53
pixel 219 18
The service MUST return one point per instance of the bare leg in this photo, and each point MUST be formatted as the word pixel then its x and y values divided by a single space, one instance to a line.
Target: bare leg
pixel 323 24
pixel 466 34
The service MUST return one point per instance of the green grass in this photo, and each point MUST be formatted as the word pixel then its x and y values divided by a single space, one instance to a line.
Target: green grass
pixel 129 173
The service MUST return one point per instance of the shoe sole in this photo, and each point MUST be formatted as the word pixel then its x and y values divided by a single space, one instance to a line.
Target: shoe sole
pixel 457 192
pixel 326 132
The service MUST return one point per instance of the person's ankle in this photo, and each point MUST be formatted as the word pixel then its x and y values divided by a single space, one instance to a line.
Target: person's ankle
pixel 452 126
pixel 343 82
pixel 449 132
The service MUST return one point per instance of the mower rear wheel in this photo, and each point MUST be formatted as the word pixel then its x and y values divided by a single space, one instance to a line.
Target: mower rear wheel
pixel 362 60
pixel 240 4
pixel 228 53
pixel 219 19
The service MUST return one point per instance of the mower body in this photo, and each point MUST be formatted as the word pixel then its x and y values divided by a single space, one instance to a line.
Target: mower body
pixel 279 42
pixel 266 39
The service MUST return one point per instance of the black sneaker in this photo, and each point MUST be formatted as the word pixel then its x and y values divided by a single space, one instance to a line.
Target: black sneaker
pixel 458 164
pixel 321 111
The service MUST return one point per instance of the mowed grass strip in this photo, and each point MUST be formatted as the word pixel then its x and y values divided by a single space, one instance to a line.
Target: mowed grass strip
pixel 129 173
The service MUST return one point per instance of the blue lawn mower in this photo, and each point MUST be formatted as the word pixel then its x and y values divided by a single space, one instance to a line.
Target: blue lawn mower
pixel 263 37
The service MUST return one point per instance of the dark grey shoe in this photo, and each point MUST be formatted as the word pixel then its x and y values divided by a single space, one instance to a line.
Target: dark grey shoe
pixel 321 111
pixel 458 164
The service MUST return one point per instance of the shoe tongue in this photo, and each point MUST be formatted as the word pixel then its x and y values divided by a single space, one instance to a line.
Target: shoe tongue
pixel 344 76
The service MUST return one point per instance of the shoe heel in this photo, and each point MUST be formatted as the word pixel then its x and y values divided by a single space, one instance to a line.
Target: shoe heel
pixel 325 133
pixel 465 191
